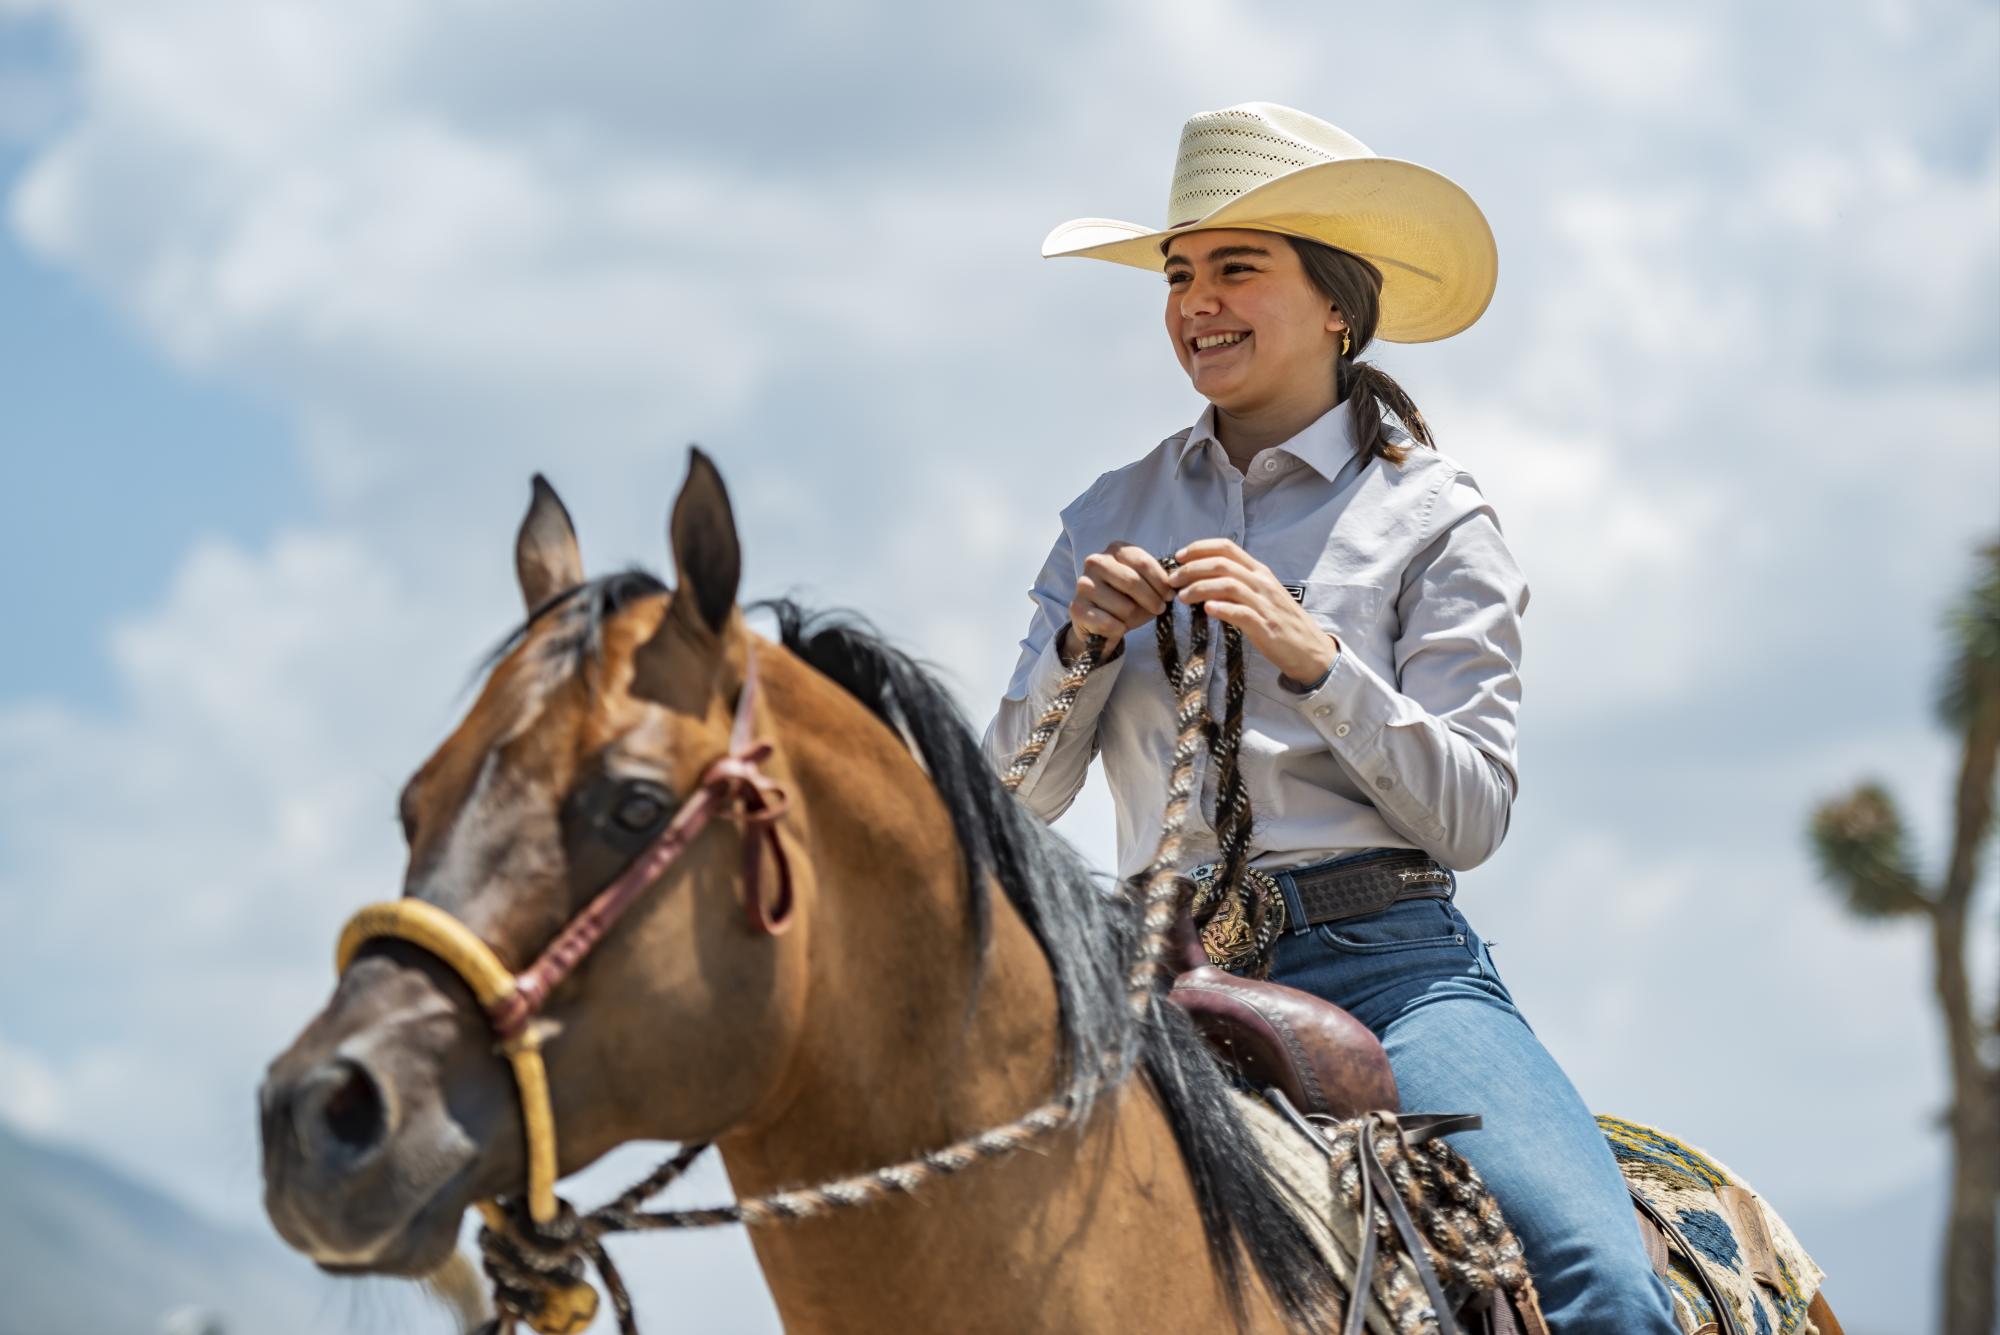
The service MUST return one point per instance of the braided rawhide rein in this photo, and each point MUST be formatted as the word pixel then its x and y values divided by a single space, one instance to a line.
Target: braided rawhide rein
pixel 1240 910
pixel 537 1270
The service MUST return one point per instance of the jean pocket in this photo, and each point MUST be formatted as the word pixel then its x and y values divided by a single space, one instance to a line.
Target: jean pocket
pixel 1417 924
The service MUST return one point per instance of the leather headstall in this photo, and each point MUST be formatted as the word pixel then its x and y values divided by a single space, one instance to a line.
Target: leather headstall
pixel 732 782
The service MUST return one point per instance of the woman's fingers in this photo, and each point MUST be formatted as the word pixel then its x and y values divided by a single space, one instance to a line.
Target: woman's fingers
pixel 1124 586
pixel 1240 615
pixel 1219 558
pixel 1097 621
pixel 1111 570
pixel 1209 567
pixel 1229 587
pixel 1214 547
pixel 1091 592
pixel 1148 567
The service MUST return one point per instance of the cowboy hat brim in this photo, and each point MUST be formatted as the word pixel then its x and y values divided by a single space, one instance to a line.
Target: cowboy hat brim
pixel 1435 250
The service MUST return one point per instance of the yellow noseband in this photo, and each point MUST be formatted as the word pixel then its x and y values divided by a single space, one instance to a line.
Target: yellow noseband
pixel 431 928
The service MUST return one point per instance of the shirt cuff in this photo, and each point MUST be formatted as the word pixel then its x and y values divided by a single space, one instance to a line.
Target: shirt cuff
pixel 1046 678
pixel 1350 707
pixel 1045 681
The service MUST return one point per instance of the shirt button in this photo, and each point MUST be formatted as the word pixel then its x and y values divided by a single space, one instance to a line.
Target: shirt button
pixel 1384 782
pixel 1340 730
pixel 1270 465
pixel 1323 711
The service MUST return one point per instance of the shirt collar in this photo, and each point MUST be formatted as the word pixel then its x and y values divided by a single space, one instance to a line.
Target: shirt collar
pixel 1327 442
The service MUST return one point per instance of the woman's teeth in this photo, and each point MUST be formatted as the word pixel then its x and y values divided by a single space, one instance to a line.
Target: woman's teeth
pixel 1208 341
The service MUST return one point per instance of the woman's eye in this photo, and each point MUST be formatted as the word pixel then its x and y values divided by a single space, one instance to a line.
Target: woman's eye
pixel 1173 278
pixel 639 811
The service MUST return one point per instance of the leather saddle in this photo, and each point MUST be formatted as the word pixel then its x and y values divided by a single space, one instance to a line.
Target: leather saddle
pixel 1325 1063
pixel 1319 1057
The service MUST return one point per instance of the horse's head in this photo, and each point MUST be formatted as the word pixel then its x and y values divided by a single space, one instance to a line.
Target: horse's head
pixel 393 1110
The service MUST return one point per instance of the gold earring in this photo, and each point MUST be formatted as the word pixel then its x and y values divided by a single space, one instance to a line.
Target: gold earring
pixel 1343 342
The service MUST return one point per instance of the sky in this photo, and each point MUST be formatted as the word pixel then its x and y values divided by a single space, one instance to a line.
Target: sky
pixel 295 297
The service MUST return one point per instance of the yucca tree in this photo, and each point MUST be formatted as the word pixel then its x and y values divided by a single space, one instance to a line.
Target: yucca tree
pixel 1864 853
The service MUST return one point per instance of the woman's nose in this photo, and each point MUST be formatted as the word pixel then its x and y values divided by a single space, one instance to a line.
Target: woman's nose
pixel 1197 299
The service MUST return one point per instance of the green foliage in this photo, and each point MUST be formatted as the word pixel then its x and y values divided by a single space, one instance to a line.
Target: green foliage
pixel 1863 853
pixel 1973 673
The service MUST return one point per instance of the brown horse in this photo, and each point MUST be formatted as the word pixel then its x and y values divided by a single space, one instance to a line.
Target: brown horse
pixel 904 1008
pixel 893 1005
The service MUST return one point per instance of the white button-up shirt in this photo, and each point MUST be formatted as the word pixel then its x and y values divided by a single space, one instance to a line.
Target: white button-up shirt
pixel 1409 741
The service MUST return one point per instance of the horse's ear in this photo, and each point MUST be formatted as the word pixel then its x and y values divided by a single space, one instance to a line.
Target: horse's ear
pixel 703 534
pixel 546 557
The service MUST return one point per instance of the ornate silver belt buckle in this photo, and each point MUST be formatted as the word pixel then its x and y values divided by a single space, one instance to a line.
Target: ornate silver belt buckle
pixel 1240 932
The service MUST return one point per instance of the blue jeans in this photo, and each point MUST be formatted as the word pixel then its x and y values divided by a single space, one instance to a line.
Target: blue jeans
pixel 1421 979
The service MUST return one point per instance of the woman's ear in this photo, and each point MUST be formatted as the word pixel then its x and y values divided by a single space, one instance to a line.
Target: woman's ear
pixel 703 535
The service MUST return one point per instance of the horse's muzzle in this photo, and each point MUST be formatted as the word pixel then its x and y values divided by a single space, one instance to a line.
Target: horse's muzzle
pixel 369 1158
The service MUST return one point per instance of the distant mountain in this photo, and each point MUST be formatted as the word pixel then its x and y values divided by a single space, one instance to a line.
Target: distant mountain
pixel 86 1250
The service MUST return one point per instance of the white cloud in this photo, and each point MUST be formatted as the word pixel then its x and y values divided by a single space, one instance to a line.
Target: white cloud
pixel 172 864
pixel 1615 561
pixel 31 1093
pixel 1631 60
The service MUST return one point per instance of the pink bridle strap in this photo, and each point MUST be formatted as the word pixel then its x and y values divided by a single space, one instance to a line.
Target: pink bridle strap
pixel 732 780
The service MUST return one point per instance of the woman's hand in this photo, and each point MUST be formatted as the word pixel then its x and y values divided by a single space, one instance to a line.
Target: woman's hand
pixel 1121 589
pixel 1239 590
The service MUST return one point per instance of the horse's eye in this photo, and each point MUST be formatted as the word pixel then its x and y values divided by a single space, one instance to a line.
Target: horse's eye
pixel 639 811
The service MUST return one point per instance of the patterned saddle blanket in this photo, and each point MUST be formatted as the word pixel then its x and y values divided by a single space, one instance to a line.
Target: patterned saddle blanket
pixel 1716 1227
pixel 1715 1222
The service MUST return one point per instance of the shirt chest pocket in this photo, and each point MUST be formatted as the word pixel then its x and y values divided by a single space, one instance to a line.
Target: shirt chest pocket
pixel 1351 610
pixel 1346 609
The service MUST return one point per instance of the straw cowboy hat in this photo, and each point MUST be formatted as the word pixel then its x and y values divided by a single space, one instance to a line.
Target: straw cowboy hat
pixel 1270 168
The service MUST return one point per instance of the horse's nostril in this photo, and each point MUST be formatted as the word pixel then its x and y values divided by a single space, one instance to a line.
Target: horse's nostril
pixel 354 1110
pixel 345 1103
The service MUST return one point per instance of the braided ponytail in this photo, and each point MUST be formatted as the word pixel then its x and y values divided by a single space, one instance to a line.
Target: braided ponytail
pixel 1355 286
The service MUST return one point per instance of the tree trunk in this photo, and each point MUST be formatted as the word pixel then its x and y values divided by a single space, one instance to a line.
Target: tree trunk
pixel 1970 1251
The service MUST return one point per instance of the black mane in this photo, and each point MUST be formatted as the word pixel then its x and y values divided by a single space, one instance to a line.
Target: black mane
pixel 1086 928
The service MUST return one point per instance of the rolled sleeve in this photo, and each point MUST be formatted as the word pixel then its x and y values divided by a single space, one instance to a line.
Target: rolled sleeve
pixel 1435 751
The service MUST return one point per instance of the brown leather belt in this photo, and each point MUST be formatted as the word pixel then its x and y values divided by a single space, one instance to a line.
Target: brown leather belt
pixel 1328 893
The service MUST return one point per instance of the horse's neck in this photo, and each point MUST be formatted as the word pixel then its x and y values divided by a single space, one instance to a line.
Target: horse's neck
pixel 1093 1230
pixel 900 1051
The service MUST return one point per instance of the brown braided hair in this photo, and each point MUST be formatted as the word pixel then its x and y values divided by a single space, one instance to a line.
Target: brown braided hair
pixel 1355 286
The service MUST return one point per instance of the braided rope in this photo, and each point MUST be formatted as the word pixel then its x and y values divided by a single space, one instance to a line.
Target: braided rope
pixel 1240 912
pixel 527 1258
pixel 1233 795
pixel 1052 718
pixel 1161 879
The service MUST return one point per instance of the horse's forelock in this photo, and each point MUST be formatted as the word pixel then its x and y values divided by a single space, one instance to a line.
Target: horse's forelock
pixel 480 814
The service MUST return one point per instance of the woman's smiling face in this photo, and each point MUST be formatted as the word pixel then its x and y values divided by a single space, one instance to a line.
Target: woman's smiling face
pixel 1277 334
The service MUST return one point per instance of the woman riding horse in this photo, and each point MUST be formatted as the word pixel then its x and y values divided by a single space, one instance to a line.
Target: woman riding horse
pixel 1381 607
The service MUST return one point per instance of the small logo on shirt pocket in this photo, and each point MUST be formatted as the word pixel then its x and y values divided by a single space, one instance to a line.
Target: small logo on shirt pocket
pixel 1298 592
